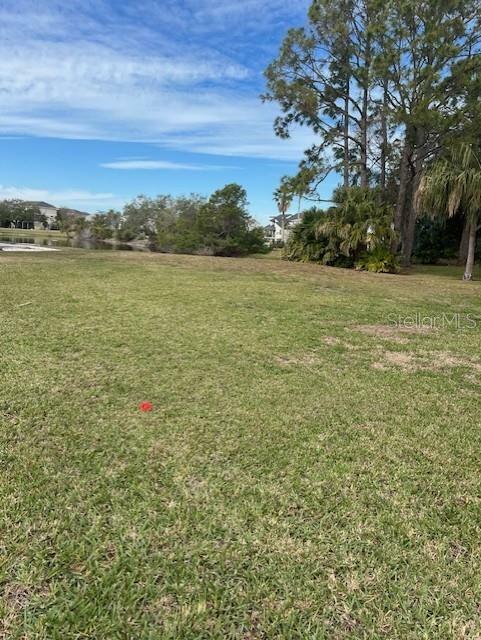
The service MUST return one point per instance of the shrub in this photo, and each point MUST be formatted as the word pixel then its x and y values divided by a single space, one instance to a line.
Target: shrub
pixel 125 234
pixel 379 260
pixel 358 224
pixel 304 243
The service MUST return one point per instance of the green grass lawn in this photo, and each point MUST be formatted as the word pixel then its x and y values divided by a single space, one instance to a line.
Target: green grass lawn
pixel 309 470
pixel 31 233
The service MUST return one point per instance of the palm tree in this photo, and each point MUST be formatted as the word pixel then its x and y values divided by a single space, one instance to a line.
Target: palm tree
pixel 283 196
pixel 358 223
pixel 451 186
pixel 301 186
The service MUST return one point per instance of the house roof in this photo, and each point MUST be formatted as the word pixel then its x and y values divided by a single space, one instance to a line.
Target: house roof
pixel 44 205
pixel 288 220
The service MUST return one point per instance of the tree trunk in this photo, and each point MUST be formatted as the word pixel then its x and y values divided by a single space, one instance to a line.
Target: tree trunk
pixel 346 135
pixel 384 135
pixel 463 247
pixel 402 193
pixel 283 228
pixel 468 271
pixel 411 213
pixel 363 149
pixel 409 228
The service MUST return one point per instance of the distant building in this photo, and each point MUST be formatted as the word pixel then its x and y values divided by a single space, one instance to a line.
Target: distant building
pixel 46 215
pixel 269 234
pixel 273 231
pixel 47 211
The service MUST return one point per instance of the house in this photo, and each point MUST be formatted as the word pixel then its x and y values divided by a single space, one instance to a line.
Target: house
pixel 48 213
pixel 22 214
pixel 273 233
pixel 41 215
pixel 269 234
pixel 19 214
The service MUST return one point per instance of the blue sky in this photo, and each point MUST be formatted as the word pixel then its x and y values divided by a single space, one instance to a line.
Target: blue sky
pixel 101 100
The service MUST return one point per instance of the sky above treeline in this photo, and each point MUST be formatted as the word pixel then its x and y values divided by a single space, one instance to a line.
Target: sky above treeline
pixel 102 100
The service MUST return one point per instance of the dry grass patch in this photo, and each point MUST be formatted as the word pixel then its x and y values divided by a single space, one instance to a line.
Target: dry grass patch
pixel 426 361
pixel 306 359
pixel 397 334
pixel 444 359
pixel 404 361
pixel 15 599
pixel 333 341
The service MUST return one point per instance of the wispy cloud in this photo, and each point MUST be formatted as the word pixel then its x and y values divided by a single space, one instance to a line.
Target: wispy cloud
pixel 160 165
pixel 69 197
pixel 95 69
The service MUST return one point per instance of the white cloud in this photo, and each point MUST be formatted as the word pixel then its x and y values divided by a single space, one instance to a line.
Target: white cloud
pixel 76 198
pixel 87 70
pixel 230 17
pixel 153 165
pixel 260 142
pixel 39 66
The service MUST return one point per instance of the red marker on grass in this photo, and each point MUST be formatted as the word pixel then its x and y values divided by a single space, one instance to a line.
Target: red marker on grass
pixel 146 406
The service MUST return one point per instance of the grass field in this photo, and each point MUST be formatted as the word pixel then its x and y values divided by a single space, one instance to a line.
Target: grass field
pixel 31 233
pixel 310 471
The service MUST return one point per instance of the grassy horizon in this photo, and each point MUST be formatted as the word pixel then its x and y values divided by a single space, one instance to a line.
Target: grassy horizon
pixel 310 470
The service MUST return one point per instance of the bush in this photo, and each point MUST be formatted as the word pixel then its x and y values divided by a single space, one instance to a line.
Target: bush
pixel 358 224
pixel 304 243
pixel 379 260
pixel 125 234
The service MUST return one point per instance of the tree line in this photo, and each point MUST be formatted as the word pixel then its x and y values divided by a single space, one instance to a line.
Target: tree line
pixel 391 92
pixel 219 225
pixel 15 213
pixel 18 214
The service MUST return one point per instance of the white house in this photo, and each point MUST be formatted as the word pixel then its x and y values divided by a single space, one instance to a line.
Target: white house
pixel 273 232
pixel 47 210
pixel 23 214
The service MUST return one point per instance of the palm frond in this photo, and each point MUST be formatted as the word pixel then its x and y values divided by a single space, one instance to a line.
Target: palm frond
pixel 452 185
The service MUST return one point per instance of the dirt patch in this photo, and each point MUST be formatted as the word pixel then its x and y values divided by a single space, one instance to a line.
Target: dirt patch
pixel 305 359
pixel 426 361
pixel 366 426
pixel 405 361
pixel 471 377
pixel 15 597
pixel 334 341
pixel 163 606
pixel 446 360
pixel 392 333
